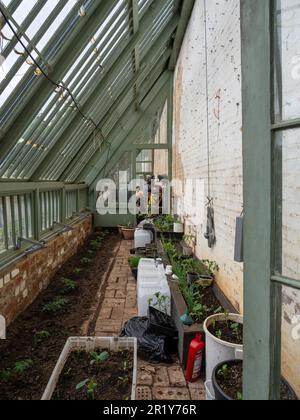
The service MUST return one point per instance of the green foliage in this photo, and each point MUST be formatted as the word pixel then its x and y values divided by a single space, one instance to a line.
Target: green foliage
pixel 99 358
pixel 159 301
pixel 5 375
pixel 223 372
pixel 239 396
pixel 164 223
pixel 55 307
pixel 77 270
pixel 41 336
pixel 237 331
pixel 86 261
pixel 23 366
pixel 90 385
pixel 134 261
pixel 69 286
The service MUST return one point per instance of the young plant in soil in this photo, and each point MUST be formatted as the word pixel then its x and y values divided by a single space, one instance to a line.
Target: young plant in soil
pixel 86 261
pixel 69 286
pixel 77 270
pixel 99 358
pixel 109 376
pixel 229 331
pixel 160 302
pixel 134 262
pixel 90 385
pixel 55 307
pixel 40 337
pixel 22 367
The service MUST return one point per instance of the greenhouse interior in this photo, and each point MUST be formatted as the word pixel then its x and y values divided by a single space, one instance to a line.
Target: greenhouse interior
pixel 150 201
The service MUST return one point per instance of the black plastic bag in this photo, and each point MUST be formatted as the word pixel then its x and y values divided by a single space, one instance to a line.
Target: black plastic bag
pixel 160 323
pixel 150 346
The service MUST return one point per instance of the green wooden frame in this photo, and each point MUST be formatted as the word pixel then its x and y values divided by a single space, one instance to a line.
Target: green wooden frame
pixel 263 284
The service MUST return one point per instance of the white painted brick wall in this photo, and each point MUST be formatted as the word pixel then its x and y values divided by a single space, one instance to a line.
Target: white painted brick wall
pixel 225 128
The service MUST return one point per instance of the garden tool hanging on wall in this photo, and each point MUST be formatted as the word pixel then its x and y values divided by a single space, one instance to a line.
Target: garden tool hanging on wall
pixel 210 234
pixel 239 239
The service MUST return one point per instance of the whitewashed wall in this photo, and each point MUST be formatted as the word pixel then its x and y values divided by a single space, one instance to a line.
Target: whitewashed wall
pixel 225 133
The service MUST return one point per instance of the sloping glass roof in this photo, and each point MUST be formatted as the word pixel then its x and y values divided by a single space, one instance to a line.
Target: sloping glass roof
pixel 71 72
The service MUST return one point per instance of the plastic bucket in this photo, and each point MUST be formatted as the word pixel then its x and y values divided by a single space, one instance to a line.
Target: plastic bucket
pixel 209 390
pixel 218 351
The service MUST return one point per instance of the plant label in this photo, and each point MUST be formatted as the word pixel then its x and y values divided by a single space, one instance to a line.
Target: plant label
pixel 2 328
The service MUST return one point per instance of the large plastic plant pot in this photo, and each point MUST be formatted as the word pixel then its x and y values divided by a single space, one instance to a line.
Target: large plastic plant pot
pixel 218 351
pixel 90 344
pixel 219 393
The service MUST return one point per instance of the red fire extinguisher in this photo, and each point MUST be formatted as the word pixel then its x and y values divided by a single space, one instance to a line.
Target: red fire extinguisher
pixel 195 360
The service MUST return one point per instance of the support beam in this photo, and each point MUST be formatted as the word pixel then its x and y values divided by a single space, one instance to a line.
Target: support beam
pixel 81 35
pixel 186 12
pixel 154 101
pixel 113 65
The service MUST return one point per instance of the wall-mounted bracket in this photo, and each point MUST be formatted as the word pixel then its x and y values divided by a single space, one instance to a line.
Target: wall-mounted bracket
pixel 36 245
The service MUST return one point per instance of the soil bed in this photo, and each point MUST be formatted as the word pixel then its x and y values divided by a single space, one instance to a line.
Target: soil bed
pixel 38 337
pixel 228 331
pixel 230 380
pixel 112 379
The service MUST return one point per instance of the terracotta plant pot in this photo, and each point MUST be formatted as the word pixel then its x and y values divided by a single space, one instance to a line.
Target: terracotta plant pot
pixel 128 233
pixel 120 228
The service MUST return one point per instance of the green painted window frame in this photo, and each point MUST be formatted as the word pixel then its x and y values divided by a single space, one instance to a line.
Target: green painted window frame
pixel 263 285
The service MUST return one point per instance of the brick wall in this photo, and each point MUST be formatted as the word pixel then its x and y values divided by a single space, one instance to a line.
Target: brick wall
pixel 22 282
pixel 225 134
pixel 225 122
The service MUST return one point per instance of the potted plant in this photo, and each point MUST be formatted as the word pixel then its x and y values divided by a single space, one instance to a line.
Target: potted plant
pixel 178 226
pixel 85 366
pixel 128 232
pixel 227 380
pixel 134 264
pixel 224 337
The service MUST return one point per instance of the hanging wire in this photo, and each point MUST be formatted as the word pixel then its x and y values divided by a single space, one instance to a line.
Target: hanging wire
pixel 40 71
pixel 210 200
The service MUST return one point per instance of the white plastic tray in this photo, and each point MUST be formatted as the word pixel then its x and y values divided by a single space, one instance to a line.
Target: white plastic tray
pixel 90 344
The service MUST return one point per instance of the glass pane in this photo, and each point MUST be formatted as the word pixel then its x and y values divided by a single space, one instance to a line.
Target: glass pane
pixel 161 163
pixel 290 349
pixel 288 202
pixel 144 167
pixel 287 59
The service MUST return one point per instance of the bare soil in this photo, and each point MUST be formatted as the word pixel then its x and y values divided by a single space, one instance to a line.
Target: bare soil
pixel 21 343
pixel 112 379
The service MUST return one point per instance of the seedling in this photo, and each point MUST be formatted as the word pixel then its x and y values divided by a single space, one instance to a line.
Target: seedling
pixel 69 286
pixel 55 307
pixel 98 358
pixel 22 366
pixel 86 261
pixel 134 262
pixel 77 270
pixel 124 380
pixel 5 375
pixel 237 330
pixel 239 396
pixel 160 302
pixel 223 372
pixel 41 336
pixel 219 334
pixel 90 385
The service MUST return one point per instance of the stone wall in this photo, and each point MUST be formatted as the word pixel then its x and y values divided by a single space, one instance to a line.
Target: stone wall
pixel 22 282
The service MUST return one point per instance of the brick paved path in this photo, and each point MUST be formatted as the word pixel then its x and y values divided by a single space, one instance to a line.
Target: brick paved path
pixel 155 381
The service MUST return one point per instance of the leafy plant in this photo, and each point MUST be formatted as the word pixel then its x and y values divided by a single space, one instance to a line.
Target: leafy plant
pixel 90 385
pixel 212 266
pixel 5 375
pixel 189 240
pixel 134 262
pixel 41 336
pixel 54 307
pixel 223 372
pixel 77 270
pixel 69 286
pixel 22 366
pixel 237 330
pixel 159 301
pixel 98 358
pixel 86 261
pixel 239 396
pixel 218 334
